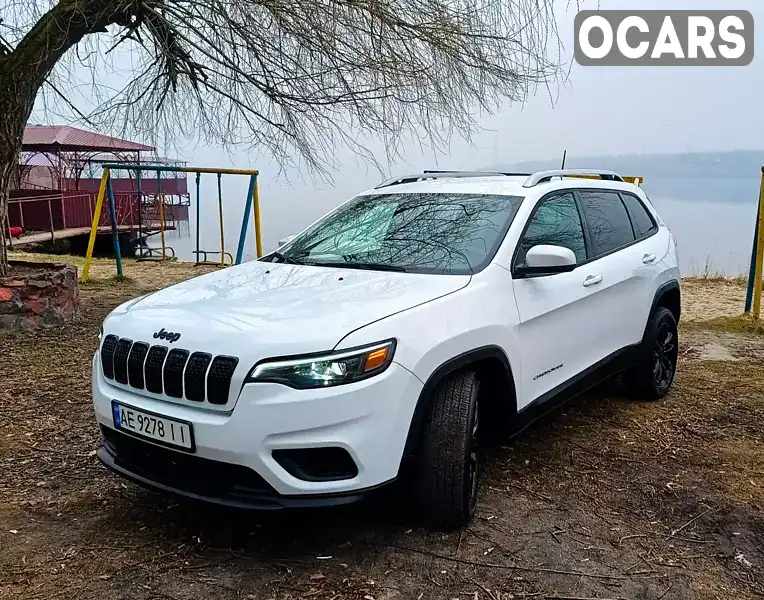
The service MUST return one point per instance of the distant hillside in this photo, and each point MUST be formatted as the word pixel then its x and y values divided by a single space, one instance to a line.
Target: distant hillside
pixel 732 176
pixel 736 163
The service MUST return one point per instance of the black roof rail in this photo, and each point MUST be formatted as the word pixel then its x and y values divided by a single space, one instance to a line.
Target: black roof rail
pixel 428 174
pixel 544 176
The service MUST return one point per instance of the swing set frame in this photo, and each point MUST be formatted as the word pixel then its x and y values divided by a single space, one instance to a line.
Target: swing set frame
pixel 105 192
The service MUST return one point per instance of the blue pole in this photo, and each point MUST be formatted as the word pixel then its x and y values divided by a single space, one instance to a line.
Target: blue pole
pixel 198 195
pixel 114 233
pixel 245 220
pixel 752 270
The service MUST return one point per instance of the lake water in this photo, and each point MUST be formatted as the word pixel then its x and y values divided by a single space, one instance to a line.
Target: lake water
pixel 712 220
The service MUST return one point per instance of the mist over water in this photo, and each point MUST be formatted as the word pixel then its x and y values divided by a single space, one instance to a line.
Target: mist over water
pixel 712 220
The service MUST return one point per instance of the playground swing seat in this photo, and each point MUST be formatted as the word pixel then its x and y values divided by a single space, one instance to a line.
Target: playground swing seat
pixel 146 253
pixel 202 256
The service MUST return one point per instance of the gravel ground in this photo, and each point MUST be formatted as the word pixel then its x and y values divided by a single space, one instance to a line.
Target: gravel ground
pixel 606 498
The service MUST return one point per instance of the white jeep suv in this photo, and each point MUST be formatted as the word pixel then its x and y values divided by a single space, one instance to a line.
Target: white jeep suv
pixel 387 338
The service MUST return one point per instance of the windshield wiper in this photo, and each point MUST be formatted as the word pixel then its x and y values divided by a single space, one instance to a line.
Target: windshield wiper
pixel 367 266
pixel 284 259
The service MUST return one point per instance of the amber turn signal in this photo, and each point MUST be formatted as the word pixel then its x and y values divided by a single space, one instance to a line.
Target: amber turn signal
pixel 376 358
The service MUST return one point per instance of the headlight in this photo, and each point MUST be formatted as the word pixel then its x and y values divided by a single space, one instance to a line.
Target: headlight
pixel 326 370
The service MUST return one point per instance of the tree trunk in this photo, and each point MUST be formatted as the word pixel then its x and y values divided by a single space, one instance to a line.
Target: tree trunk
pixel 24 70
pixel 16 102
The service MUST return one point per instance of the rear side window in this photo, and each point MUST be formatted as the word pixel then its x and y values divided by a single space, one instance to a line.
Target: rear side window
pixel 555 222
pixel 640 217
pixel 608 220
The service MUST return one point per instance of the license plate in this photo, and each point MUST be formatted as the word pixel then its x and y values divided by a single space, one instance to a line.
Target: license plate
pixel 159 429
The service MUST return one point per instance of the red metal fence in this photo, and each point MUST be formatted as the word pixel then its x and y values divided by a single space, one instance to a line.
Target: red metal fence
pixel 47 211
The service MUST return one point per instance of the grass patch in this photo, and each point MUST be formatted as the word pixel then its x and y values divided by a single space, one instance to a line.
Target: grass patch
pixel 739 324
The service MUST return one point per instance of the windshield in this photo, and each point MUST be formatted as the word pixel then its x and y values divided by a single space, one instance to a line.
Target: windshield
pixel 424 233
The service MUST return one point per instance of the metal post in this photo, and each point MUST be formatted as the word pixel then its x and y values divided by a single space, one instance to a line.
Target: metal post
pixel 258 236
pixel 8 226
pixel 140 209
pixel 245 220
pixel 759 254
pixel 50 216
pixel 160 206
pixel 198 194
pixel 752 267
pixel 220 213
pixel 114 232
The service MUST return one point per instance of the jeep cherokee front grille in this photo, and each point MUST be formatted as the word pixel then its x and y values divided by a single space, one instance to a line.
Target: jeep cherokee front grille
pixel 197 377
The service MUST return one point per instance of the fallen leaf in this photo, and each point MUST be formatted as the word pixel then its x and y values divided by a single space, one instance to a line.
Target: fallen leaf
pixel 317 577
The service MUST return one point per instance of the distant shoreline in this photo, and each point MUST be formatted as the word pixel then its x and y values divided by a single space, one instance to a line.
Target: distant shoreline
pixel 732 164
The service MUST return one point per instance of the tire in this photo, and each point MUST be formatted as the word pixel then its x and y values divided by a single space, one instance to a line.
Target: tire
pixel 448 460
pixel 653 373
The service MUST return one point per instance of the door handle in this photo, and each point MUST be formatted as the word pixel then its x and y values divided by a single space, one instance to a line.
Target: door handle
pixel 592 280
pixel 648 258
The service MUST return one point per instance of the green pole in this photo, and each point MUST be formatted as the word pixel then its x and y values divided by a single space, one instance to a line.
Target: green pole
pixel 114 232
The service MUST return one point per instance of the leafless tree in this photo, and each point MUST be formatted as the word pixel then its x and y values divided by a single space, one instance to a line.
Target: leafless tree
pixel 295 78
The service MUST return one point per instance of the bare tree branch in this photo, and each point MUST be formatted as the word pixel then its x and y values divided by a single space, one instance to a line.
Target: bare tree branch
pixel 293 78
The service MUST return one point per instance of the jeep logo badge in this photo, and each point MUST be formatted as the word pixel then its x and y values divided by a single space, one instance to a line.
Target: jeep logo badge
pixel 166 335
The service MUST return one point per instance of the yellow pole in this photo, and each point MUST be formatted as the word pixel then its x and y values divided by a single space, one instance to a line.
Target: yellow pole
pixel 94 225
pixel 256 202
pixel 161 225
pixel 759 254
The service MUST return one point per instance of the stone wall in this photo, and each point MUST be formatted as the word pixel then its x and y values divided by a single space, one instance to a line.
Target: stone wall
pixel 40 295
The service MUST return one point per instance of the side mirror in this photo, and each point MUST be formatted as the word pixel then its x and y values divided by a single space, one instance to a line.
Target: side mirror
pixel 547 260
pixel 285 240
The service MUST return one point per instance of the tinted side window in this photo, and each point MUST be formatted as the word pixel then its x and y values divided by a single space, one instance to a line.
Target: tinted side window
pixel 608 220
pixel 640 218
pixel 556 222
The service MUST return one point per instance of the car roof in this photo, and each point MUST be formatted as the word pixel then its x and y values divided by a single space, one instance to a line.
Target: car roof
pixel 513 185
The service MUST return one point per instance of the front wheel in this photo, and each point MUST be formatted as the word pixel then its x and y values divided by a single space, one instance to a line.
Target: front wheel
pixel 447 482
pixel 655 368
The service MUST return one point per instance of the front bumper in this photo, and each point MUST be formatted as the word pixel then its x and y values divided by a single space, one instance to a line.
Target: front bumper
pixel 233 463
pixel 215 489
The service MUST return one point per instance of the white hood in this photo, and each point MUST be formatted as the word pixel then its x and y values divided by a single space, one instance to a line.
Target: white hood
pixel 259 310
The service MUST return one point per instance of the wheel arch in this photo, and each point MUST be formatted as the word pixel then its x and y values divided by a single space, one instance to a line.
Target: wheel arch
pixel 492 365
pixel 669 296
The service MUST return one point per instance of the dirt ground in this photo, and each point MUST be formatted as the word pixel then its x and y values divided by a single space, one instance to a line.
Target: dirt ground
pixel 606 498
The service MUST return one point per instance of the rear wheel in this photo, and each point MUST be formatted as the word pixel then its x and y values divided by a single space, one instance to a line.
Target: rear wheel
pixel 653 374
pixel 448 461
